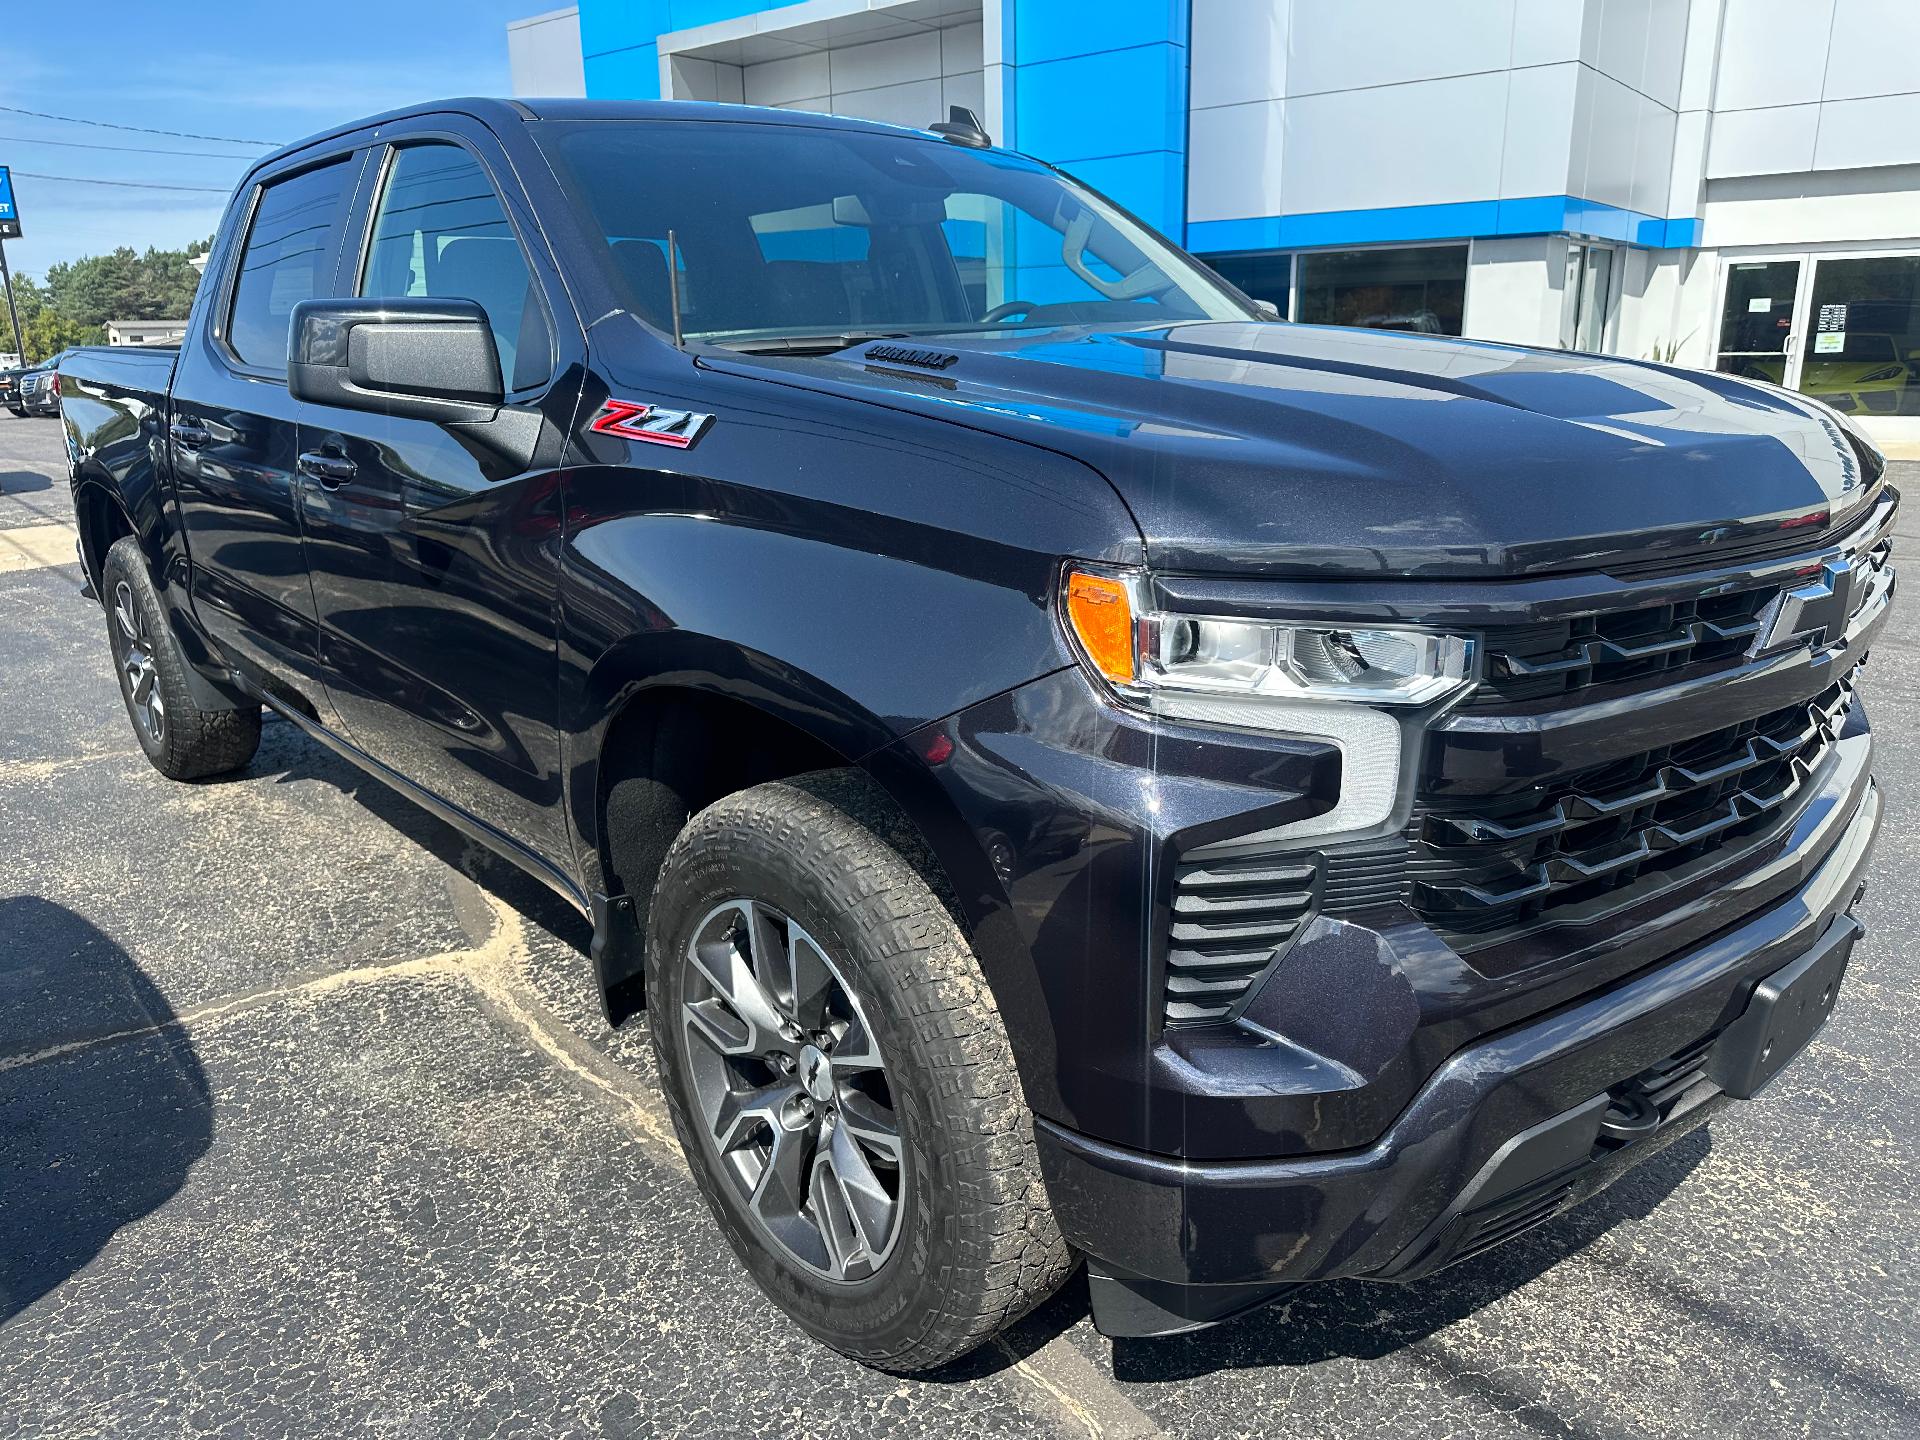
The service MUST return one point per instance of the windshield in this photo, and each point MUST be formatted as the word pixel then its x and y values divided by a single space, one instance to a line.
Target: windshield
pixel 783 231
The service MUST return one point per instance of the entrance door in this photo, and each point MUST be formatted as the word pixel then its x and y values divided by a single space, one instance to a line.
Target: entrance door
pixel 1858 343
pixel 1757 318
pixel 1843 328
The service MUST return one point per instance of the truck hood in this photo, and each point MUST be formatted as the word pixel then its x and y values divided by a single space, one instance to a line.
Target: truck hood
pixel 1266 448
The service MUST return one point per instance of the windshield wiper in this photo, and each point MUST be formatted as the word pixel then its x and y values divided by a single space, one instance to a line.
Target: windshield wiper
pixel 807 344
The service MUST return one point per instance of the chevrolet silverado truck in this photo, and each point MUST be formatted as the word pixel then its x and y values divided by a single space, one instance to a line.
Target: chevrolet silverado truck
pixel 1076 772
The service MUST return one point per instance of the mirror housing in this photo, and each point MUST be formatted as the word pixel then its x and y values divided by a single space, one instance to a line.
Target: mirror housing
pixel 419 359
pixel 414 359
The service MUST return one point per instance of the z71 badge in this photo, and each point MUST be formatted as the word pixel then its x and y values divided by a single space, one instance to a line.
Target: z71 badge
pixel 631 420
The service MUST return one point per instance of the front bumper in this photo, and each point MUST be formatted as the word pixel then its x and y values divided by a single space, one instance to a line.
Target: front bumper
pixel 1506 1134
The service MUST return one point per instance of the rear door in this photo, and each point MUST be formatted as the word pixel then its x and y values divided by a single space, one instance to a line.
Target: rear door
pixel 434 570
pixel 232 434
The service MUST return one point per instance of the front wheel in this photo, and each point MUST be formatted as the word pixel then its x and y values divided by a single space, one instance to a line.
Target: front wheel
pixel 183 741
pixel 841 1080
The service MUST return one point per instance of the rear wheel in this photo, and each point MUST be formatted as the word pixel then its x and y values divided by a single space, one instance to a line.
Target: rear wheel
pixel 183 741
pixel 841 1081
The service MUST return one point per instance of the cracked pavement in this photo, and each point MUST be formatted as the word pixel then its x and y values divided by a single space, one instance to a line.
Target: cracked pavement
pixel 309 1126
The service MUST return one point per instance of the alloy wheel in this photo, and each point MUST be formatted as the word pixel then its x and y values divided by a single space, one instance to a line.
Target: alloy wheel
pixel 792 1090
pixel 137 664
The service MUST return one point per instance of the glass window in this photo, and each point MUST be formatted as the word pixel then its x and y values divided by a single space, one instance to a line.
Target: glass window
pixel 1421 288
pixel 787 233
pixel 289 258
pixel 1862 351
pixel 1587 297
pixel 1757 319
pixel 441 233
pixel 1264 277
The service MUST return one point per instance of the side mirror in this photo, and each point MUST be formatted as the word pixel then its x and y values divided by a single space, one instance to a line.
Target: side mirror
pixel 1268 310
pixel 420 359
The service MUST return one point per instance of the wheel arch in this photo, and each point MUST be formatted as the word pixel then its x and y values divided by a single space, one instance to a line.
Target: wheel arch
pixel 675 736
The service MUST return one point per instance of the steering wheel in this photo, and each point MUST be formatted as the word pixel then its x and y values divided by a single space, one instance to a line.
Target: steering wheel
pixel 1006 308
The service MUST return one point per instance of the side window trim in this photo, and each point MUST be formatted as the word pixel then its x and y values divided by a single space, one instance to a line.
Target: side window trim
pixel 366 217
pixel 220 317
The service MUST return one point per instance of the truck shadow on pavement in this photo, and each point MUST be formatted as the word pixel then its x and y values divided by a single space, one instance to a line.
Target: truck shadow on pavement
pixel 23 482
pixel 104 1106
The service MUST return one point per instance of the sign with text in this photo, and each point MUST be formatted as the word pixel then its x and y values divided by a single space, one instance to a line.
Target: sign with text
pixel 9 210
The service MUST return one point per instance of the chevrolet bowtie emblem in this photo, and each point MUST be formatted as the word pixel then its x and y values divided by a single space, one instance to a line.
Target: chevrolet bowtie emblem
pixel 1812 614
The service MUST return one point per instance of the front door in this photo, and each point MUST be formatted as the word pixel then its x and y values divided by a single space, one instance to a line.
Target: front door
pixel 434 573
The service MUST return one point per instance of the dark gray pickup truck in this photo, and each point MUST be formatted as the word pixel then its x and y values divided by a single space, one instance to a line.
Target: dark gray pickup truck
pixel 1078 771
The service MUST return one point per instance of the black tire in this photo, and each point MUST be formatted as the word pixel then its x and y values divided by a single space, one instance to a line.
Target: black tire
pixel 975 1243
pixel 18 413
pixel 183 741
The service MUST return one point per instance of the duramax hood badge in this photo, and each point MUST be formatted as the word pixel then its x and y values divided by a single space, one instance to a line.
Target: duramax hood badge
pixel 630 420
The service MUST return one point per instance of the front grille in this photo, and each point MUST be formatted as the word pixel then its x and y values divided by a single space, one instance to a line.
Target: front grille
pixel 1620 831
pixel 1657 645
pixel 1232 918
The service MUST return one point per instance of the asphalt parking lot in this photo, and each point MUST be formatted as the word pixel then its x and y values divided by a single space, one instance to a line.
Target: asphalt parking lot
pixel 309 1126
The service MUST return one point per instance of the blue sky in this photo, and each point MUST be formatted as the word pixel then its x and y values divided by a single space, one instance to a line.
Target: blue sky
pixel 270 69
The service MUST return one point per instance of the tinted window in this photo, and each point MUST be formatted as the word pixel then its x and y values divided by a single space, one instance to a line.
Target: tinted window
pixel 1423 288
pixel 441 233
pixel 786 230
pixel 289 258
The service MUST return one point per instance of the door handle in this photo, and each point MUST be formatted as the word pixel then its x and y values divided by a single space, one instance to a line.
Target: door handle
pixel 332 471
pixel 191 437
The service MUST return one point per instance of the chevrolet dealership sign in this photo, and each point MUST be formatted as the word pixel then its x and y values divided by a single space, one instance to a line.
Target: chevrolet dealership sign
pixel 9 211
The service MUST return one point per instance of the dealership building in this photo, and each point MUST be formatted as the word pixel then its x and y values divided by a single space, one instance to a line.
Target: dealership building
pixel 1722 183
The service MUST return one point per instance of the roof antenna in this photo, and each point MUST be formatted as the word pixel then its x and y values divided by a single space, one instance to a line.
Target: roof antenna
pixel 963 127
pixel 673 289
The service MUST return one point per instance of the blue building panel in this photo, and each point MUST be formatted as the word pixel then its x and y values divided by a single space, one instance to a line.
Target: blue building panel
pixel 631 74
pixel 1043 30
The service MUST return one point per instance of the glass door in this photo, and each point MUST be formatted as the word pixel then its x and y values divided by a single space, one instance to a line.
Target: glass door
pixel 1860 351
pixel 1587 299
pixel 1756 320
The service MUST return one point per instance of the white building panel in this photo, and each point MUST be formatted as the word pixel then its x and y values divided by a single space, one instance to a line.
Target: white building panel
pixel 1539 134
pixel 1772 53
pixel 1546 32
pixel 1883 130
pixel 1875 49
pixel 888 62
pixel 1405 40
pixel 1238 52
pixel 1235 160
pixel 1422 144
pixel 915 104
pixel 781 82
pixel 543 55
pixel 1762 142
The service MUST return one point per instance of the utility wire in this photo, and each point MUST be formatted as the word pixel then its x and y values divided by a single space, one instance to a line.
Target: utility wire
pixel 142 129
pixel 127 184
pixel 124 149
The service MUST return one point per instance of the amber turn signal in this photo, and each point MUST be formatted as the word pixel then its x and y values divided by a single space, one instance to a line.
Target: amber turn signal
pixel 1102 619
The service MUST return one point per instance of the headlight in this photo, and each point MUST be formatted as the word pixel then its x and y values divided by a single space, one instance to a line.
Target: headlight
pixel 1885 372
pixel 1151 656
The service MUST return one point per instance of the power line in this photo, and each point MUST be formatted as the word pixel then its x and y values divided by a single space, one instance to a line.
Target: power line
pixel 124 149
pixel 126 184
pixel 142 129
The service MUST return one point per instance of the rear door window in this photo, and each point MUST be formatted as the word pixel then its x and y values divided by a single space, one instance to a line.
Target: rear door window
pixel 291 246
